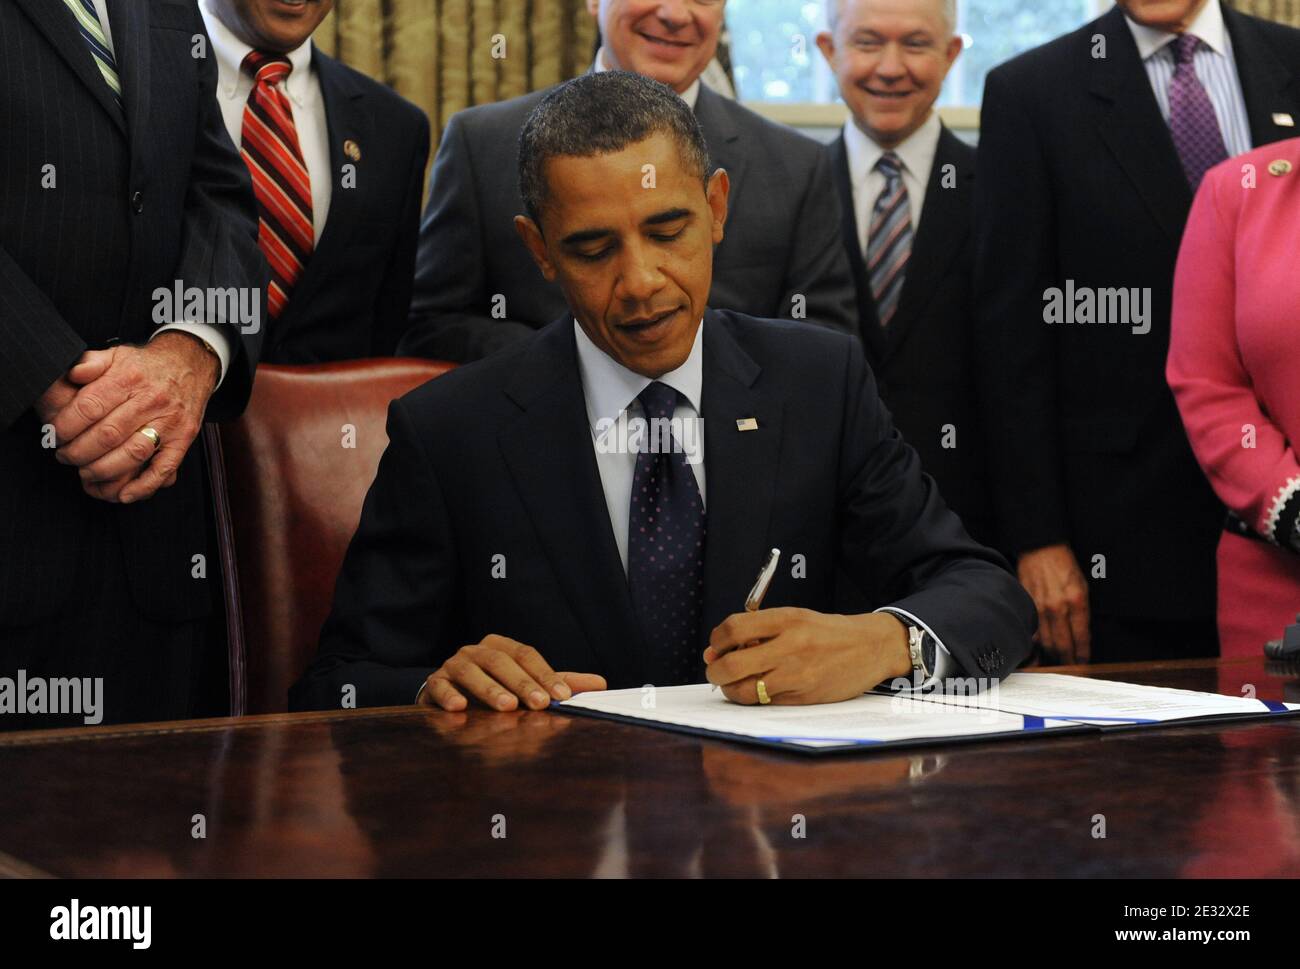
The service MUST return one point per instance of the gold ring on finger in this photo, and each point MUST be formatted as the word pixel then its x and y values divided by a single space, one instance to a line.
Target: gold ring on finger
pixel 763 698
pixel 152 435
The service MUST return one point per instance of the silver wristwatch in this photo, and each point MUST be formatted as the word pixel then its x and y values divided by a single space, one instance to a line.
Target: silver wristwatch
pixel 920 648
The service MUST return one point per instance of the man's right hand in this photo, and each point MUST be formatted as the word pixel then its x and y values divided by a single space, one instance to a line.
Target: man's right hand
pixel 1052 577
pixel 500 673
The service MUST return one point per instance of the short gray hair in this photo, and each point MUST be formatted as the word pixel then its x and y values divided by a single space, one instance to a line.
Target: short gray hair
pixel 949 13
pixel 599 114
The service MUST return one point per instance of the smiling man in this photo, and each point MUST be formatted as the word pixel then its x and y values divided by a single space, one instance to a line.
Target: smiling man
pixel 476 290
pixel 906 186
pixel 504 556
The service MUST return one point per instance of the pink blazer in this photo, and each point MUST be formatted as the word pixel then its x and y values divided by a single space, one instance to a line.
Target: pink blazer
pixel 1234 352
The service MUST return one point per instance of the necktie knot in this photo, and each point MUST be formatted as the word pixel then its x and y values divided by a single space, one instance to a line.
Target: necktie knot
pixel 1185 48
pixel 658 400
pixel 890 166
pixel 266 68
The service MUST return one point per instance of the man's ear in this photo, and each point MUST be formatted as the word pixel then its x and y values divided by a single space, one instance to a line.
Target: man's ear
pixel 955 46
pixel 716 192
pixel 826 44
pixel 532 235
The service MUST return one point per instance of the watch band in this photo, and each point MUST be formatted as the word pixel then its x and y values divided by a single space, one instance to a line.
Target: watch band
pixel 916 651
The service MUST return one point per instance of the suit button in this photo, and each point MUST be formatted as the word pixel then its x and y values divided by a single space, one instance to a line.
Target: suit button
pixel 137 202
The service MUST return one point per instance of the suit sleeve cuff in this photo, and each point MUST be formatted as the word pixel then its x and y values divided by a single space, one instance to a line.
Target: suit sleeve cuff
pixel 214 336
pixel 944 664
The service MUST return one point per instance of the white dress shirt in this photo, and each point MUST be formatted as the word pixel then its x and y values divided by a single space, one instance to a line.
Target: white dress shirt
pixel 610 390
pixel 611 393
pixel 215 336
pixel 1216 69
pixel 302 87
pixel 916 155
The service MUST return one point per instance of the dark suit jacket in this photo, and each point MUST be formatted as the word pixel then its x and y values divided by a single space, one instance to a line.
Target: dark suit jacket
pixel 1079 180
pixel 781 236
pixel 139 202
pixel 497 459
pixel 923 361
pixel 355 292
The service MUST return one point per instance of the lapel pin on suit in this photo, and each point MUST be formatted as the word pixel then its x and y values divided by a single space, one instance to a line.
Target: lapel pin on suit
pixel 1283 120
pixel 1279 167
pixel 352 150
pixel 746 424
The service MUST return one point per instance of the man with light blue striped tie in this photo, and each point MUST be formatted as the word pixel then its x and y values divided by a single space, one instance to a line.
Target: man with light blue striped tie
pixel 889 241
pixel 905 184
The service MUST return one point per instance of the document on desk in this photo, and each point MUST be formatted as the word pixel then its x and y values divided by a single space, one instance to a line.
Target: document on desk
pixel 1024 704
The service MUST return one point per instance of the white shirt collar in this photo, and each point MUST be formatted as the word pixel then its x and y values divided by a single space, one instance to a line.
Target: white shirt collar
pixel 1207 25
pixel 916 152
pixel 610 388
pixel 231 51
pixel 690 95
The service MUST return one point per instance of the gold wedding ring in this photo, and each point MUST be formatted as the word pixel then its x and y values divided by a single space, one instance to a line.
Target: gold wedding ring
pixel 763 698
pixel 152 435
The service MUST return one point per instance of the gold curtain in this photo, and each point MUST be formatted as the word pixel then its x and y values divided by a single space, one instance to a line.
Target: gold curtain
pixel 445 55
pixel 1283 11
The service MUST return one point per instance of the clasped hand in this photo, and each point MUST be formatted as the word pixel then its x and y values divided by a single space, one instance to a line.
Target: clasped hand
pixel 98 408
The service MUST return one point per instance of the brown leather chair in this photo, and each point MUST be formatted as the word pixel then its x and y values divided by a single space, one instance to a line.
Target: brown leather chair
pixel 295 493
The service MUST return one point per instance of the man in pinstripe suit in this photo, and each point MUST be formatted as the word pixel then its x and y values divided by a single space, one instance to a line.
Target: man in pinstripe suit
pixel 118 183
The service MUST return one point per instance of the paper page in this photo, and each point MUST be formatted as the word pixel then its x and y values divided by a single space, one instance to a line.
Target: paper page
pixel 866 719
pixel 1081 699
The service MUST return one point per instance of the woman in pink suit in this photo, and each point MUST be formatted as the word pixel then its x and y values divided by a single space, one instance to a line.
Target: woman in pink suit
pixel 1234 367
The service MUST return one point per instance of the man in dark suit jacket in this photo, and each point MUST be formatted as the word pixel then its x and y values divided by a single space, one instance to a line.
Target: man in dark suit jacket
pixel 364 149
pixel 103 215
pixel 512 532
pixel 1081 198
pixel 921 355
pixel 477 290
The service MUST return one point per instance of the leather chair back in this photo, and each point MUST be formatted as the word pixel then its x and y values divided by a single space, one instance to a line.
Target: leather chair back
pixel 298 465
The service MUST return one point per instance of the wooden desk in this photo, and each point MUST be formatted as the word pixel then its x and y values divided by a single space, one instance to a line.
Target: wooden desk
pixel 402 791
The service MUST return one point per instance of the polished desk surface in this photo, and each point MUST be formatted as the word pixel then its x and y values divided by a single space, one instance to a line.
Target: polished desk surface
pixel 405 791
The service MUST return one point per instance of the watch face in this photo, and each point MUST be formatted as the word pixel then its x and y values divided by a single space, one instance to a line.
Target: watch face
pixel 928 652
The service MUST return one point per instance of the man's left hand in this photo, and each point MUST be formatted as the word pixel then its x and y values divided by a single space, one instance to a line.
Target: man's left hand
pixel 164 384
pixel 804 656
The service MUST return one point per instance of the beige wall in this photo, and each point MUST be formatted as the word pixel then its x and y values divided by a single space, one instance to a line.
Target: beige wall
pixel 440 53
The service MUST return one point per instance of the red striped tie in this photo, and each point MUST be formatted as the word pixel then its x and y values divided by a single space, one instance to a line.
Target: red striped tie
pixel 269 144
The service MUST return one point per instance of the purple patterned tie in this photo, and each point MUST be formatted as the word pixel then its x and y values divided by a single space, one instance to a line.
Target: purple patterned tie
pixel 665 548
pixel 1192 120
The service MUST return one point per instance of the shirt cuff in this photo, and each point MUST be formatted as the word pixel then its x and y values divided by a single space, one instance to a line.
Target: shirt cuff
pixel 215 336
pixel 944 664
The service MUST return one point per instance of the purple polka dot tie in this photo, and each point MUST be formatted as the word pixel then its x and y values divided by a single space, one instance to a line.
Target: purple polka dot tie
pixel 665 548
pixel 1192 120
